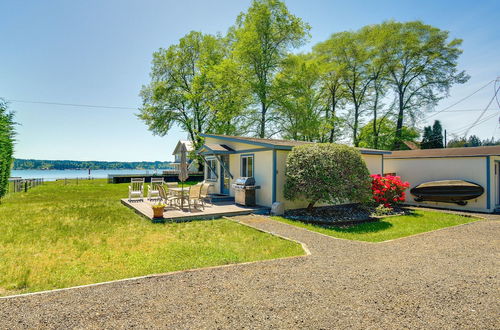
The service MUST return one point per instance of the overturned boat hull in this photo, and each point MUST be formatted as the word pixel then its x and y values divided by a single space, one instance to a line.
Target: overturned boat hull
pixel 447 191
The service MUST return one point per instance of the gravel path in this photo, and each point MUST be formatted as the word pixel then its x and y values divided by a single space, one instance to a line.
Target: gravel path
pixel 442 279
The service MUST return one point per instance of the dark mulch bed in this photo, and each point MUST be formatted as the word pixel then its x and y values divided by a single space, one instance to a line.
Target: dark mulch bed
pixel 343 215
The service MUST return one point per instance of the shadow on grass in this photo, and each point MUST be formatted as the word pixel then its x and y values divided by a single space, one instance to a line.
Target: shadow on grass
pixel 366 227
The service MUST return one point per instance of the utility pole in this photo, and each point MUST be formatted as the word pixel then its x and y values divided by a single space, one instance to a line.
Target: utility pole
pixel 445 142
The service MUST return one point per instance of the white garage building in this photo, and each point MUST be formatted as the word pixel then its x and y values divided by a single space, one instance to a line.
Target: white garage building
pixel 480 165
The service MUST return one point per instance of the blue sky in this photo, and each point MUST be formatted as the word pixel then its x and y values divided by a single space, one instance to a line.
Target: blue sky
pixel 99 52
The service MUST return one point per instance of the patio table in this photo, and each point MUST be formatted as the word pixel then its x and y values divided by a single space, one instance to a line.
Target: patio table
pixel 181 192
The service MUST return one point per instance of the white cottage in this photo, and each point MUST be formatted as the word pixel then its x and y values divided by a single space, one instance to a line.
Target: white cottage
pixel 192 164
pixel 230 157
pixel 479 165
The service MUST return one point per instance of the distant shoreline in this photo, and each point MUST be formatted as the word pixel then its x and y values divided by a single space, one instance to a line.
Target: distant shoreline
pixel 76 165
pixel 55 174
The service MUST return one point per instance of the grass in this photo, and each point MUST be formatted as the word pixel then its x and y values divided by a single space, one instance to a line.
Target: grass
pixel 57 236
pixel 388 228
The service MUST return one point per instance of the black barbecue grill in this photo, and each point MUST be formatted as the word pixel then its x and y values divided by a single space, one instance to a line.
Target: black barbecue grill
pixel 244 191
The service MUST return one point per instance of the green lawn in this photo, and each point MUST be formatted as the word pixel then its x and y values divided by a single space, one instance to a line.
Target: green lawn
pixel 58 235
pixel 388 228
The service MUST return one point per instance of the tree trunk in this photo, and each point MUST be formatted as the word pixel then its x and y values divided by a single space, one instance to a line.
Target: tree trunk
pixel 332 131
pixel 355 127
pixel 262 133
pixel 399 124
pixel 310 207
pixel 375 131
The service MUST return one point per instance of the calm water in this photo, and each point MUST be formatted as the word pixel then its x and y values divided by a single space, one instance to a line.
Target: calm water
pixel 52 175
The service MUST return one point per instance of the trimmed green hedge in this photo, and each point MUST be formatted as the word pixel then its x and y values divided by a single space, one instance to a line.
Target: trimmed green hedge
pixel 6 146
pixel 327 172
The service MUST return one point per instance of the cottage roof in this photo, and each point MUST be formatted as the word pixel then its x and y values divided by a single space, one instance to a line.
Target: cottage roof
pixel 447 152
pixel 188 144
pixel 279 144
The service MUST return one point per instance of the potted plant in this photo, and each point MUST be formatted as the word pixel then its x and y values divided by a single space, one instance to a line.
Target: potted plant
pixel 158 210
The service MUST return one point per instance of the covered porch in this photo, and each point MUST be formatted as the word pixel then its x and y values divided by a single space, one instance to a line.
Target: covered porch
pixel 211 211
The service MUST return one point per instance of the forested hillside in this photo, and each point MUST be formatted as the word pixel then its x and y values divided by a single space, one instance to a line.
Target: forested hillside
pixel 35 164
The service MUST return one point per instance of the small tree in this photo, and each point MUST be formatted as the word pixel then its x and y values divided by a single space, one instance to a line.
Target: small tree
pixel 437 135
pixel 326 172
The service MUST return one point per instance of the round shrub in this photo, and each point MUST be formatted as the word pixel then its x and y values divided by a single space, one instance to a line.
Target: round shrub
pixel 326 172
pixel 388 190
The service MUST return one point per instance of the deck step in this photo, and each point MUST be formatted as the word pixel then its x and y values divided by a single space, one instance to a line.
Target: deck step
pixel 215 198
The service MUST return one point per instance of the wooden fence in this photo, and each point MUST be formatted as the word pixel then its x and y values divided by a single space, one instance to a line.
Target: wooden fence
pixel 19 185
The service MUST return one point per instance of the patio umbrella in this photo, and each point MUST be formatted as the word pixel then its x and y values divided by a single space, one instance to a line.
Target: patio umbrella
pixel 183 171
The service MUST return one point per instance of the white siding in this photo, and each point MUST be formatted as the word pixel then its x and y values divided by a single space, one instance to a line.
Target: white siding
pixel 419 170
pixel 263 171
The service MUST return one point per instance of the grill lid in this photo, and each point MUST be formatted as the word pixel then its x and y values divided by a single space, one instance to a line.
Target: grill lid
pixel 245 181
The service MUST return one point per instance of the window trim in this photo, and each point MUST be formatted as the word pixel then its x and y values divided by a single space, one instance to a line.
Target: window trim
pixel 253 164
pixel 209 170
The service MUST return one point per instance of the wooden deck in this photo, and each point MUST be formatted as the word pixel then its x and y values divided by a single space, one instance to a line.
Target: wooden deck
pixel 211 211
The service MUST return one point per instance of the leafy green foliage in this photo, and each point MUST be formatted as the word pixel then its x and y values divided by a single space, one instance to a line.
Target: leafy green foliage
pixel 386 134
pixel 349 57
pixel 249 82
pixel 180 84
pixel 300 101
pixel 326 172
pixel 6 146
pixel 422 65
pixel 472 141
pixel 263 37
pixel 433 136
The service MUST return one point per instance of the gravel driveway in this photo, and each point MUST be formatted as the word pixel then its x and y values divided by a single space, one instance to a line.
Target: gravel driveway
pixel 442 279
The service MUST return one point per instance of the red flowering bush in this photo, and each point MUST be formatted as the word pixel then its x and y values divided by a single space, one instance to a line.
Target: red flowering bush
pixel 388 190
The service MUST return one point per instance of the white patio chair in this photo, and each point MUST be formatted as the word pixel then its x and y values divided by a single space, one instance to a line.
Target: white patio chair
pixel 153 188
pixel 136 188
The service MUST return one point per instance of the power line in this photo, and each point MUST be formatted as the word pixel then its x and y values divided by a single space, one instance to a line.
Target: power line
pixel 469 110
pixel 73 104
pixel 461 100
pixel 482 113
pixel 467 128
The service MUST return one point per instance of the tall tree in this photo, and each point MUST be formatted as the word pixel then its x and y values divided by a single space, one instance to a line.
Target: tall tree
pixel 300 100
pixel 179 91
pixel 228 95
pixel 375 40
pixel 422 67
pixel 427 138
pixel 433 136
pixel 262 38
pixel 348 52
pixel 474 141
pixel 334 92
pixel 437 135
pixel 7 134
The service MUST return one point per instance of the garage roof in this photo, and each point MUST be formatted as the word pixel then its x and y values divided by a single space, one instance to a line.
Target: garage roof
pixel 447 152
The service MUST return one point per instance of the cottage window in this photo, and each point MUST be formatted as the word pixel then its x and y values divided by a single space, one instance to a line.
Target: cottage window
pixel 211 166
pixel 247 165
